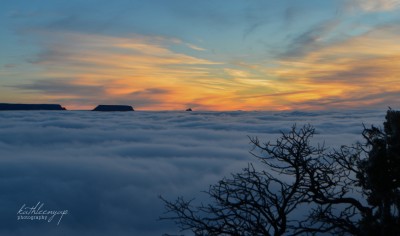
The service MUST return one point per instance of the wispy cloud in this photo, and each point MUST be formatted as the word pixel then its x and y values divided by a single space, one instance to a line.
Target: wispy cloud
pixel 313 39
pixel 122 67
pixel 194 47
pixel 159 73
pixel 373 5
pixel 344 71
pixel 63 87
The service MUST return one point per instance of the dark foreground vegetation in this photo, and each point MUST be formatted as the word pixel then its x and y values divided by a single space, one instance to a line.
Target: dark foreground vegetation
pixel 305 189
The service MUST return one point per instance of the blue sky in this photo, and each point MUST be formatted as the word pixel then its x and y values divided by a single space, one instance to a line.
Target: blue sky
pixel 211 55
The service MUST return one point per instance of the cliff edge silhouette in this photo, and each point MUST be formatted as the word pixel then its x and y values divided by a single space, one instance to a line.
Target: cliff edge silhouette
pixel 30 107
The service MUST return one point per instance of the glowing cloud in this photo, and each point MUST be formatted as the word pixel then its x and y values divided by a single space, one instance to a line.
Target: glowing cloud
pixel 346 74
pixel 156 73
pixel 122 67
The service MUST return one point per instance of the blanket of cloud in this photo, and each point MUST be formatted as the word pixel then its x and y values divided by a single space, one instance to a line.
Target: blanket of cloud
pixel 108 169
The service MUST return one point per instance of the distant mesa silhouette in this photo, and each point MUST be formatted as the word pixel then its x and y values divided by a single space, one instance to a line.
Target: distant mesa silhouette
pixel 189 109
pixel 30 107
pixel 113 108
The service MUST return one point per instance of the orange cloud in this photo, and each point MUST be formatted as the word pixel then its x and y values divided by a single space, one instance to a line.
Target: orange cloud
pixel 124 66
pixel 153 73
pixel 368 64
pixel 128 69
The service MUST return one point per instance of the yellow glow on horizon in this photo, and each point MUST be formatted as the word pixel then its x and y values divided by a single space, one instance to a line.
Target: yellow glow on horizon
pixel 145 69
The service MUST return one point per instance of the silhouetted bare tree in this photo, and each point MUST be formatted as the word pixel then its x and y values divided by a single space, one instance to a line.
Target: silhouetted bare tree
pixel 339 192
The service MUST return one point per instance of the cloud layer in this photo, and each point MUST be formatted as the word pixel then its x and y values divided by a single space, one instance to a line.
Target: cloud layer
pixel 107 169
pixel 207 55
pixel 317 70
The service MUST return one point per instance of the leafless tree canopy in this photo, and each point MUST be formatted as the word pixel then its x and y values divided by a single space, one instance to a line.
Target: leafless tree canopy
pixel 305 189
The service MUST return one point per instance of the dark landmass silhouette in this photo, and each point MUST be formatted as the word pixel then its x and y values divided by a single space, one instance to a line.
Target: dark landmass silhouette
pixel 30 107
pixel 189 109
pixel 113 108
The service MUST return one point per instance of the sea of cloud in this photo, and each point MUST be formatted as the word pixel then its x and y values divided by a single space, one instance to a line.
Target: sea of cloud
pixel 108 169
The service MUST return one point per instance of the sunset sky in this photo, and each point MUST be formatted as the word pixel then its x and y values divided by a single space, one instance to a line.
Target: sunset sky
pixel 208 55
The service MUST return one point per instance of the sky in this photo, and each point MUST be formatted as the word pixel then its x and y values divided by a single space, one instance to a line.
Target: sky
pixel 207 55
pixel 109 169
